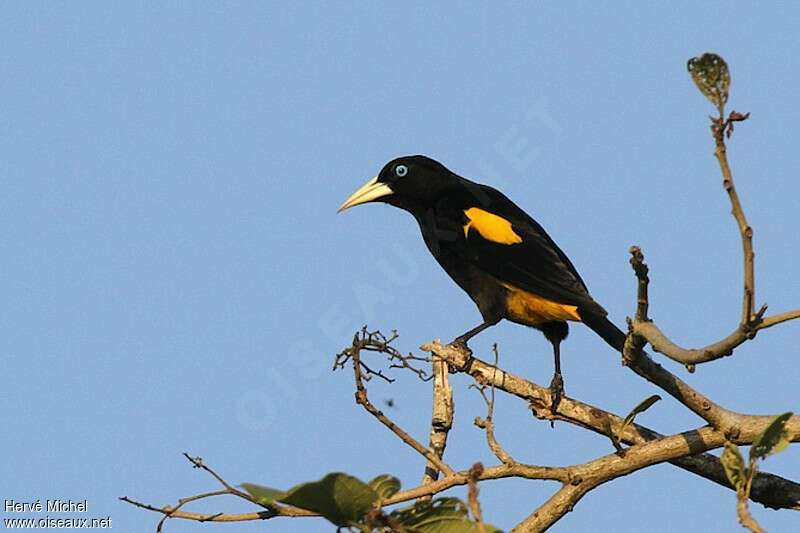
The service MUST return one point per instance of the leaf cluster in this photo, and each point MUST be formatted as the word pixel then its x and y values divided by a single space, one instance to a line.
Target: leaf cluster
pixel 774 439
pixel 348 502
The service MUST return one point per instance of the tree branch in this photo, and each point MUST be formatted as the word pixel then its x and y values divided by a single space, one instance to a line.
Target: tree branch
pixel 729 422
pixel 472 498
pixel 719 127
pixel 442 417
pixel 200 517
pixel 768 489
pixel 271 511
pixel 375 341
pixel 590 475
pixel 647 329
pixel 487 424
pixel 751 321
pixel 724 347
pixel 745 518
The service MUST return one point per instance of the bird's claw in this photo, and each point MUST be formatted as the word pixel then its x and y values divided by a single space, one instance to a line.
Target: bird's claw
pixel 556 392
pixel 461 344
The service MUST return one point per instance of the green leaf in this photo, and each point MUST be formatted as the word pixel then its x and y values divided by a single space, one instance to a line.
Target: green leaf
pixel 773 440
pixel 442 515
pixel 339 497
pixel 710 74
pixel 643 406
pixel 385 486
pixel 263 495
pixel 733 464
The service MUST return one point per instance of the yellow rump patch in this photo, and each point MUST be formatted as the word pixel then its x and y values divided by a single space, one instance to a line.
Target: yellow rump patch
pixel 528 308
pixel 491 227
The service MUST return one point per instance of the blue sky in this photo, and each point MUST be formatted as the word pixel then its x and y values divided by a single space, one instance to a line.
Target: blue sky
pixel 175 278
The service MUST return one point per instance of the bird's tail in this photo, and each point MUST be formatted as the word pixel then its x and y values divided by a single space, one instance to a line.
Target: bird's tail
pixel 606 329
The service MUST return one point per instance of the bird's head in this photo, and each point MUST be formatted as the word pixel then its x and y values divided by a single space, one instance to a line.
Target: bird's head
pixel 412 183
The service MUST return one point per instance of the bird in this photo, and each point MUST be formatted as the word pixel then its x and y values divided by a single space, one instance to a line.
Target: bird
pixel 493 250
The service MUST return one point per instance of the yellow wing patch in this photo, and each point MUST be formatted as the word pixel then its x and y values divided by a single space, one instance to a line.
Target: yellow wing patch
pixel 490 226
pixel 528 308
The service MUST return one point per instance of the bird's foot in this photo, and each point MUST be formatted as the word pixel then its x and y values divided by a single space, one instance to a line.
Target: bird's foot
pixel 461 344
pixel 556 392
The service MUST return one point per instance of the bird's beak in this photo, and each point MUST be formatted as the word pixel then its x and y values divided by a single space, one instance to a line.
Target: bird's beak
pixel 371 190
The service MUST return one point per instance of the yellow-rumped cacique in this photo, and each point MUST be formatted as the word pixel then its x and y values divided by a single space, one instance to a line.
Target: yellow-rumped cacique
pixel 497 253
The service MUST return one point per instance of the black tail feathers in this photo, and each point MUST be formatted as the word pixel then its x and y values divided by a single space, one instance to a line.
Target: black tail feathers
pixel 606 329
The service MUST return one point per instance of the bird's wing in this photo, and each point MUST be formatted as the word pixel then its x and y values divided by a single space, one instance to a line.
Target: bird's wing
pixel 504 241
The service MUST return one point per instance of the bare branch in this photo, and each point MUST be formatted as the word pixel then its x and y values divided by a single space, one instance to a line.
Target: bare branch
pixel 176 512
pixel 727 421
pixel 517 470
pixel 474 506
pixel 649 331
pixel 718 128
pixel 488 424
pixel 220 517
pixel 590 475
pixel 442 417
pixel 641 269
pixel 774 320
pixel 768 489
pixel 184 501
pixel 199 517
pixel 197 462
pixel 744 516
pixel 751 321
pixel 375 341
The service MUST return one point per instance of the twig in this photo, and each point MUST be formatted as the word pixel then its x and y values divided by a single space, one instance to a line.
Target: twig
pixel 221 517
pixel 744 516
pixel 774 320
pixel 197 462
pixel 641 269
pixel 721 348
pixel 487 424
pixel 718 128
pixel 517 470
pixel 176 512
pixel 649 331
pixel 375 341
pixel 472 498
pixel 184 501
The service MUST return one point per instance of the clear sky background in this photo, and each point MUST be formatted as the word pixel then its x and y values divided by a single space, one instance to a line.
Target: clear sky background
pixel 175 278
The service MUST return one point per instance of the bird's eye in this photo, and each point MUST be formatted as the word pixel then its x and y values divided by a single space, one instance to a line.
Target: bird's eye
pixel 401 170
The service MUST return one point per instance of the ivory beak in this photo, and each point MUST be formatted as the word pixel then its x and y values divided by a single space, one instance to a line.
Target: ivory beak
pixel 371 190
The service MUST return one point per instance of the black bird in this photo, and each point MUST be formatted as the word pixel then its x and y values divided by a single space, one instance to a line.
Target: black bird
pixel 494 251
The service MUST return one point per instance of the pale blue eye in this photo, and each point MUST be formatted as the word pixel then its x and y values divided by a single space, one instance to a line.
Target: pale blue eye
pixel 401 170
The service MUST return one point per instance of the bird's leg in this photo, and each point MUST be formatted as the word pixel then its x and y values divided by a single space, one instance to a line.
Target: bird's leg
pixel 557 384
pixel 461 340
